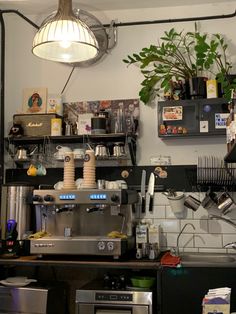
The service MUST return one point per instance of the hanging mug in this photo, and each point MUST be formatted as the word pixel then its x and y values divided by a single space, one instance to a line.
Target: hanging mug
pixel 32 171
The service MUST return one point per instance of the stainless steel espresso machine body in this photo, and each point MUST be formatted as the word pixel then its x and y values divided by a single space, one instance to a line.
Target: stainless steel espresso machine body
pixel 78 222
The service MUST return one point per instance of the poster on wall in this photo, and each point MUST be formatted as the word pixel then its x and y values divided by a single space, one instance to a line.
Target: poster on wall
pixel 34 100
pixel 125 109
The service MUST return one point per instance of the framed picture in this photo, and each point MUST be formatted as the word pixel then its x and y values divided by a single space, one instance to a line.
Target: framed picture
pixel 34 100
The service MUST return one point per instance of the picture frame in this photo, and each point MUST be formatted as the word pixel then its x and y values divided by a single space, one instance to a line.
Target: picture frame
pixel 34 100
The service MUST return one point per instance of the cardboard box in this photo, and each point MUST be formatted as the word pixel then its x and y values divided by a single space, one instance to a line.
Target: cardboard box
pixel 35 124
pixel 216 309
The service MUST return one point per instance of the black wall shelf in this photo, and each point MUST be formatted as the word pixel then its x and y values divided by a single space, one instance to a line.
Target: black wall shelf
pixel 130 140
pixel 200 118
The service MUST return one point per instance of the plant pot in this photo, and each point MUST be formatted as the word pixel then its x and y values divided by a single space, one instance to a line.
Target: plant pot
pixel 197 87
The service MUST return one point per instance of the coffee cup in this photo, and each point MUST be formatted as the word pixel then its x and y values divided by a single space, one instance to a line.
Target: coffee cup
pixel 122 184
pixel 58 185
pixel 112 185
pixel 32 171
pixel 61 151
pixel 79 153
pixel 79 183
pixel 41 170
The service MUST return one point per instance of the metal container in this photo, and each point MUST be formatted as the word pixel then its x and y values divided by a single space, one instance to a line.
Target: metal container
pixel 15 205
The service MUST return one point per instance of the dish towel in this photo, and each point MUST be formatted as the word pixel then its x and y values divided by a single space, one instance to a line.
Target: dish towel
pixel 170 260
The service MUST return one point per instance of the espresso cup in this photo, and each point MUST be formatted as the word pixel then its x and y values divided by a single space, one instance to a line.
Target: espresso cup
pixel 58 185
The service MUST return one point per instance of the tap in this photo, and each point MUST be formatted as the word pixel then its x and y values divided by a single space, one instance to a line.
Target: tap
pixel 229 221
pixel 231 245
pixel 181 231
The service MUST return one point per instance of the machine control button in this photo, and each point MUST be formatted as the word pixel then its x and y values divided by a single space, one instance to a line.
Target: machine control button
pixel 37 198
pixel 110 246
pixel 101 245
pixel 115 198
pixel 48 198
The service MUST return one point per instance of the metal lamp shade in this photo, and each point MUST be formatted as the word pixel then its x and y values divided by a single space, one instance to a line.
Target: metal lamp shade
pixel 64 38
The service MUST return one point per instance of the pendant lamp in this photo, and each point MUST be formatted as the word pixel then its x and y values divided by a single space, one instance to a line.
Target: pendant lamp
pixel 64 38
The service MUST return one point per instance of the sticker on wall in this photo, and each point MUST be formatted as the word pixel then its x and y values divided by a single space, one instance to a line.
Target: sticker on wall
pixel 172 113
pixel 204 127
pixel 220 120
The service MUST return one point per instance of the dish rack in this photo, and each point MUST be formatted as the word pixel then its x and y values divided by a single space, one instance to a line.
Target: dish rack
pixel 212 171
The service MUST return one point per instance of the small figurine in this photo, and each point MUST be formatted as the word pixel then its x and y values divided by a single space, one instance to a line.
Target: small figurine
pixel 16 130
pixel 180 130
pixel 169 129
pixel 162 129
pixel 175 130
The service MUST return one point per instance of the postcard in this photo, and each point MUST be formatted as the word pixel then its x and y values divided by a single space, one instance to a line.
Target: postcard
pixel 220 120
pixel 34 100
pixel 172 113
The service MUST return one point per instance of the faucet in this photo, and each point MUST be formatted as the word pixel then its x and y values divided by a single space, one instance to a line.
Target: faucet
pixel 231 245
pixel 181 231
pixel 229 221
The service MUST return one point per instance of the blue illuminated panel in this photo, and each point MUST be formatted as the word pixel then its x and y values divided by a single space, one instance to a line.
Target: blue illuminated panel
pixel 67 197
pixel 98 196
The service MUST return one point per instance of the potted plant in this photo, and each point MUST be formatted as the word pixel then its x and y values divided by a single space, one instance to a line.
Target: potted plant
pixel 181 56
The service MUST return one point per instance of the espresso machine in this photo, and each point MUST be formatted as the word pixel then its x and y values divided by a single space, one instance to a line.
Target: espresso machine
pixel 84 222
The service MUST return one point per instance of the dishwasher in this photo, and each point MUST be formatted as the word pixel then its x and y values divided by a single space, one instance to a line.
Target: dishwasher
pixel 93 298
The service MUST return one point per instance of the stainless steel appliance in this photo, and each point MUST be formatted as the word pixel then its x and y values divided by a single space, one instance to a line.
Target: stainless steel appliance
pixel 32 300
pixel 15 219
pixel 93 299
pixel 16 205
pixel 79 221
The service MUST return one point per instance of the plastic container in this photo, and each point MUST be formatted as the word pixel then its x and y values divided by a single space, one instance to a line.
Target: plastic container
pixel 142 282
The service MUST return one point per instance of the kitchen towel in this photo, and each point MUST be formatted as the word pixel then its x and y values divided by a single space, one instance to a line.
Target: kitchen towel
pixel 170 260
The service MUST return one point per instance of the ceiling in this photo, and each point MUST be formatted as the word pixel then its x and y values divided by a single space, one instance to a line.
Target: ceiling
pixel 44 6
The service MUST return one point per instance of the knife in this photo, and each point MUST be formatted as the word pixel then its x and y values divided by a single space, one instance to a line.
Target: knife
pixel 150 193
pixel 143 191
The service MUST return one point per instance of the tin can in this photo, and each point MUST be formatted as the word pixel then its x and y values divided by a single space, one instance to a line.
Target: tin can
pixel 56 127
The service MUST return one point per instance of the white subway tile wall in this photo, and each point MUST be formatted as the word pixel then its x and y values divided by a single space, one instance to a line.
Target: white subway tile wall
pixel 210 235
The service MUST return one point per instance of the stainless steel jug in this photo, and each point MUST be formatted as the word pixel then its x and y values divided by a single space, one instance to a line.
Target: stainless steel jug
pixel 15 205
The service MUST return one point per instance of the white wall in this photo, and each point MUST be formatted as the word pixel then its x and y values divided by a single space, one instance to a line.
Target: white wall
pixel 111 79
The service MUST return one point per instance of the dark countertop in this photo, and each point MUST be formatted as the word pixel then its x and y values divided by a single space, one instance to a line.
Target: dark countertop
pixel 81 261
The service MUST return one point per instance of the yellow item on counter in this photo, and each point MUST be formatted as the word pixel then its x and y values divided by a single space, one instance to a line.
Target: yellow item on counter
pixel 117 234
pixel 38 235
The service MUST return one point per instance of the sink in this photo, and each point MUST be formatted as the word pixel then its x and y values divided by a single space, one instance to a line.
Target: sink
pixel 206 258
